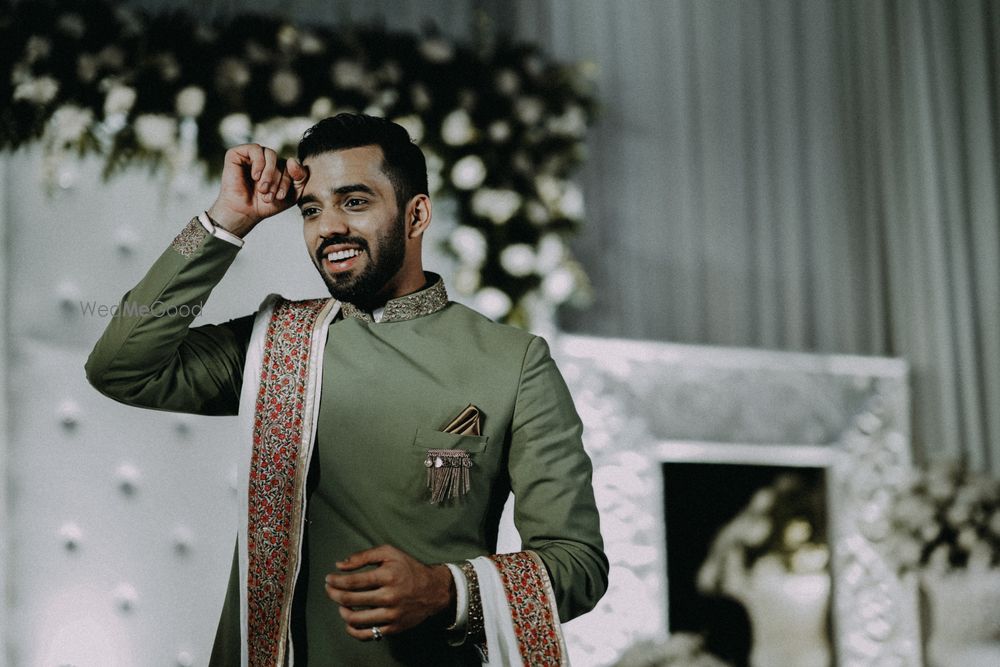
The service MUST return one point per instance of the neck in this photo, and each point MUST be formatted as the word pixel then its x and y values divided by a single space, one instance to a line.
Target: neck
pixel 390 292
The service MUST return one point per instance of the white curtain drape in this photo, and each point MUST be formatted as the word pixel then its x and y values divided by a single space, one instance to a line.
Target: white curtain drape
pixel 801 175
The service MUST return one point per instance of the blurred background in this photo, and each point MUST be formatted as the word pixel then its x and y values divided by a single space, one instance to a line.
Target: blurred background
pixel 760 188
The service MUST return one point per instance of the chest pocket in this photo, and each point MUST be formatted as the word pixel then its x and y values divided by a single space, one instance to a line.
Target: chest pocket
pixel 450 471
pixel 430 439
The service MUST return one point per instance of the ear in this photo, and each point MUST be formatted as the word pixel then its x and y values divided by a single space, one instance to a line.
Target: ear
pixel 418 216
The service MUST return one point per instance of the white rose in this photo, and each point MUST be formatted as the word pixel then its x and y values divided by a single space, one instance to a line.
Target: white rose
pixel 497 205
pixel 908 552
pixel 348 74
pixel 37 48
pixel 321 108
pixel 311 44
pixel 271 133
pixel 232 73
pixel 958 514
pixel 170 69
pixel 797 532
pixel 69 123
pixel 113 57
pixel 571 123
pixel 190 102
pixel 391 72
pixel 466 279
pixel 762 501
pixel 434 182
pixel 295 127
pixel 235 129
pixel 529 110
pixel 413 126
pixel 551 252
pixel 492 303
pixel 468 173
pixel 288 37
pixel 387 98
pixel 518 259
pixel 967 537
pixel 456 128
pixel 940 485
pixel 929 531
pixel 499 131
pixel 708 576
pixel 571 202
pixel 420 96
pixel 810 558
pixel 994 522
pixel 469 244
pixel 508 82
pixel 155 131
pixel 40 91
pixel 550 189
pixel 559 286
pixel 86 67
pixel 285 87
pixel 434 166
pixel 256 52
pixel 436 50
pixel 119 100
pixel 536 212
pixel 72 24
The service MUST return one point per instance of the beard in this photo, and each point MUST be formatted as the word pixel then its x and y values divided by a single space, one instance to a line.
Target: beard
pixel 363 289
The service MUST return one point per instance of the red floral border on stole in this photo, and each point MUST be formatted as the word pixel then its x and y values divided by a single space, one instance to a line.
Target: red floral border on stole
pixel 532 604
pixel 277 478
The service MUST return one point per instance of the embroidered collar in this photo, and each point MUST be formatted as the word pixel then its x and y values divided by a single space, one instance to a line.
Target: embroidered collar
pixel 411 306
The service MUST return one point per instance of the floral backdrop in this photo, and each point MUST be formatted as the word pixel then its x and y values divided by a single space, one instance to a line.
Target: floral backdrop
pixel 502 125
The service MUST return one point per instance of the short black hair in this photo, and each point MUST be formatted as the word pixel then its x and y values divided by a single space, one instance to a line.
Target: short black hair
pixel 403 161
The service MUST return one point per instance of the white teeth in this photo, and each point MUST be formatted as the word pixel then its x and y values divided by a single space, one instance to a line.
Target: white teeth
pixel 341 255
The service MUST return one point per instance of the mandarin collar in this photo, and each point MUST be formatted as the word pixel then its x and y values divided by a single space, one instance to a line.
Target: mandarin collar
pixel 408 307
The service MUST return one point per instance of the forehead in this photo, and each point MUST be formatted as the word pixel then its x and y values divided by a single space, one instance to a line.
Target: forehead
pixel 350 166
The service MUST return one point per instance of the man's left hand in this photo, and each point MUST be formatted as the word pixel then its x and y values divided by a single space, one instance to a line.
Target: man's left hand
pixel 397 595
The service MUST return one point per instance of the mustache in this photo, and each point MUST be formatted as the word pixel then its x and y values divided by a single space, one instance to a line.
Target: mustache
pixel 338 240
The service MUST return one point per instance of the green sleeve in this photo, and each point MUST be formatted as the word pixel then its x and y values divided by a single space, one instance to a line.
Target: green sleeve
pixel 150 356
pixel 554 508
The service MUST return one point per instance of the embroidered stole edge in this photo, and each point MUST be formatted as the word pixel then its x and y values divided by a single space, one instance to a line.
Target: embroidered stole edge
pixel 510 631
pixel 249 393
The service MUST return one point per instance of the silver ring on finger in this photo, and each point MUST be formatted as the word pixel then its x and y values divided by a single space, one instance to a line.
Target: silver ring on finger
pixel 376 633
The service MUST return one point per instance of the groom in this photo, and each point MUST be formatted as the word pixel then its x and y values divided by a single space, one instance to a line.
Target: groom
pixel 384 428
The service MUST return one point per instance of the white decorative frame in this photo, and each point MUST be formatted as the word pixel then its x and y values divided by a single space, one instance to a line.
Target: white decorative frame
pixel 645 403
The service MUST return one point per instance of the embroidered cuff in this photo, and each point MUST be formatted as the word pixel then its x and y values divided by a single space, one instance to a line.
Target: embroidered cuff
pixel 217 231
pixel 189 239
pixel 474 628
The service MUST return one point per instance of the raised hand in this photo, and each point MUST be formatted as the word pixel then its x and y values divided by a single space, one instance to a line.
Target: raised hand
pixel 397 595
pixel 256 184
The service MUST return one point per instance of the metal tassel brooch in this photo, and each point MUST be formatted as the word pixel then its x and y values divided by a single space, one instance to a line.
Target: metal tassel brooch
pixel 447 473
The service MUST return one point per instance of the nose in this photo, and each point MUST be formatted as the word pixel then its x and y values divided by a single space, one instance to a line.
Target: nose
pixel 332 223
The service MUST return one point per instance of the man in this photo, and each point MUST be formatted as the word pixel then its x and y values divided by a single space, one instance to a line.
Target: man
pixel 385 427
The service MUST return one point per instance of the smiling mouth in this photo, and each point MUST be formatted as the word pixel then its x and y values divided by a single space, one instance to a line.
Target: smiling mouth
pixel 341 259
pixel 341 255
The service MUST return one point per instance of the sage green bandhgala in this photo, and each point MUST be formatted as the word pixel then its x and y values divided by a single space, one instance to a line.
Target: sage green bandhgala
pixel 387 390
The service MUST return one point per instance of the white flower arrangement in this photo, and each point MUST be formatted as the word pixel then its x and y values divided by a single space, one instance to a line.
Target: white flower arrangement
pixel 945 518
pixel 501 125
pixel 784 522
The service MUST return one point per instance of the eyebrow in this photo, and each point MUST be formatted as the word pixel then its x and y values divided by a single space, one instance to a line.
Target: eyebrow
pixel 342 190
